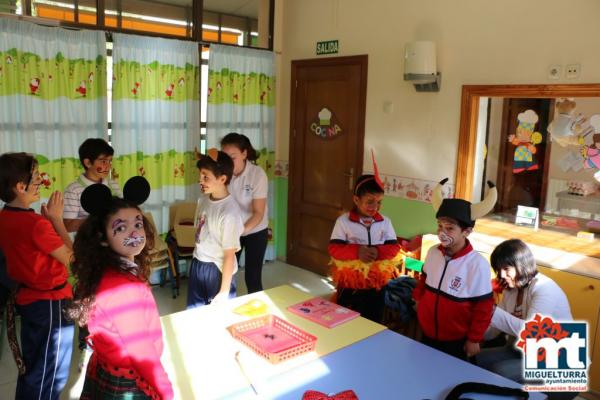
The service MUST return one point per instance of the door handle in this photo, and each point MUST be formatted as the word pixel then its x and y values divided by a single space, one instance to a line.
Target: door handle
pixel 350 175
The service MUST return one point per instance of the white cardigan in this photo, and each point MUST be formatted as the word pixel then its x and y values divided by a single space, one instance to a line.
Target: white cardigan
pixel 542 296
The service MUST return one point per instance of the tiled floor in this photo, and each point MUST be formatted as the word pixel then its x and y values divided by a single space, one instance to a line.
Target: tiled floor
pixel 274 274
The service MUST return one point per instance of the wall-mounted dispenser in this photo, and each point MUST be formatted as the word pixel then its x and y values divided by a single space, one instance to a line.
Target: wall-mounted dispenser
pixel 420 66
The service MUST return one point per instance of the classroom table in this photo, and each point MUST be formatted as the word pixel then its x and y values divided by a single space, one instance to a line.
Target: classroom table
pixel 199 353
pixel 383 366
pixel 360 355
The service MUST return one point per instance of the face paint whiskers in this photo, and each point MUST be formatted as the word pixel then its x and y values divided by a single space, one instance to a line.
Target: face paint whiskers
pixel 134 241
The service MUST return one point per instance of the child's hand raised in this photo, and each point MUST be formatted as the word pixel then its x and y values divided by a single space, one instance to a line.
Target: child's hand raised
pixel 53 210
pixel 367 254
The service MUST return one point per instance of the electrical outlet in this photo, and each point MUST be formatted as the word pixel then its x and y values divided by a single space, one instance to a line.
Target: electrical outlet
pixel 572 71
pixel 554 71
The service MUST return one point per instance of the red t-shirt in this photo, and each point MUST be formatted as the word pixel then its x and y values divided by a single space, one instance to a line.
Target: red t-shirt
pixel 27 239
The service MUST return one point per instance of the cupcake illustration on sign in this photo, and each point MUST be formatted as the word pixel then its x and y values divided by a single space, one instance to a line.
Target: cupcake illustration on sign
pixel 325 117
pixel 326 124
pixel 525 140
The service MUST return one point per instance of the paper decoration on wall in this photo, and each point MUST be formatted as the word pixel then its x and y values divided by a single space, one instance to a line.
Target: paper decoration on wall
pixel 282 168
pixel 591 153
pixel 525 140
pixel 568 128
pixel 572 160
pixel 412 188
pixel 326 124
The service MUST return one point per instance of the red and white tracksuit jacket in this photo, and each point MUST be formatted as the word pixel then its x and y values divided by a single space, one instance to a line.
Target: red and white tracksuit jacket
pixel 455 295
pixel 349 233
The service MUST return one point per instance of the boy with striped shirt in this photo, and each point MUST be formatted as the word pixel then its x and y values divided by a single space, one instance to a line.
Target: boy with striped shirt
pixel 95 156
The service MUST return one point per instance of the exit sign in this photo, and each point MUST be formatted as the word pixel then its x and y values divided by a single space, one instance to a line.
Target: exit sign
pixel 328 47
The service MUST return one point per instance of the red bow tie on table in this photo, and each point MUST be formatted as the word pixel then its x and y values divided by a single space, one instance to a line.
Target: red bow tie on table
pixel 314 395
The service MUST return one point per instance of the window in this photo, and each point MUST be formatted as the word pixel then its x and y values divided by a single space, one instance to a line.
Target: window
pixel 11 7
pixel 541 150
pixel 169 17
pixel 244 23
pixel 80 11
pixel 203 98
pixel 109 82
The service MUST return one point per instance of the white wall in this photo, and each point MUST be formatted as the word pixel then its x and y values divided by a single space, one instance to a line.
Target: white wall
pixel 478 42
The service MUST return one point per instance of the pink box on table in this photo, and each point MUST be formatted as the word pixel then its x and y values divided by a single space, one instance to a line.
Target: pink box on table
pixel 273 338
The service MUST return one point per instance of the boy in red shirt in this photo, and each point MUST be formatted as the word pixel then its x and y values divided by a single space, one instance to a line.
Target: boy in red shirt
pixel 37 249
pixel 454 294
pixel 364 250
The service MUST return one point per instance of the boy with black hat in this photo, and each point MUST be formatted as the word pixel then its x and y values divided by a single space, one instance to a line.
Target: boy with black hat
pixel 455 292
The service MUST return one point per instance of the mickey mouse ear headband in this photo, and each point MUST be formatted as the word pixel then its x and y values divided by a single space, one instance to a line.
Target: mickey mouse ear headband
pixel 96 198
pixel 213 155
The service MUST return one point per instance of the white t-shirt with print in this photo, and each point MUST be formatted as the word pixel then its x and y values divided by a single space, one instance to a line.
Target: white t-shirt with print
pixel 218 227
pixel 72 196
pixel 251 184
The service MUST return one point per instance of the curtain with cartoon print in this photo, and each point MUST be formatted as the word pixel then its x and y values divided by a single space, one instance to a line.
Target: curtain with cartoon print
pixel 241 98
pixel 156 118
pixel 52 96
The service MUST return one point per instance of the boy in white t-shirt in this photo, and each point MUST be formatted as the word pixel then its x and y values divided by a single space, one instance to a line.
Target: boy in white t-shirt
pixel 218 228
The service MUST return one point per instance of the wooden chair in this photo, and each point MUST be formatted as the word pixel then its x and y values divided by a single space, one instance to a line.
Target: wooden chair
pixel 162 258
pixel 183 232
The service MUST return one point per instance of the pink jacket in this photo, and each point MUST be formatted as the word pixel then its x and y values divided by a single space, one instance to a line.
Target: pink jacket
pixel 125 328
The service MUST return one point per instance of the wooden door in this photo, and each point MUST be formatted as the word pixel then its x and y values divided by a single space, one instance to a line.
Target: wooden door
pixel 327 122
pixel 525 187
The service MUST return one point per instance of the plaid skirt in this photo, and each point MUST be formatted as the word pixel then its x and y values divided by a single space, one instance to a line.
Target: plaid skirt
pixel 101 384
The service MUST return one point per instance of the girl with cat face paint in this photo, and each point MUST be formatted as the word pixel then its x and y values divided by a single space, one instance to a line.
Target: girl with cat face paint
pixel 112 296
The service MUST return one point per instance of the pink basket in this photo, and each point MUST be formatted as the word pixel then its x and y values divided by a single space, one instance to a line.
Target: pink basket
pixel 273 338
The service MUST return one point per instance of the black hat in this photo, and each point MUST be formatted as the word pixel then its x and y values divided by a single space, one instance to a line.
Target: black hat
pixel 462 210
pixel 457 209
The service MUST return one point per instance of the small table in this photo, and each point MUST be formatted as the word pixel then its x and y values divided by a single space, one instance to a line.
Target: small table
pixel 199 353
pixel 383 366
pixel 361 355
